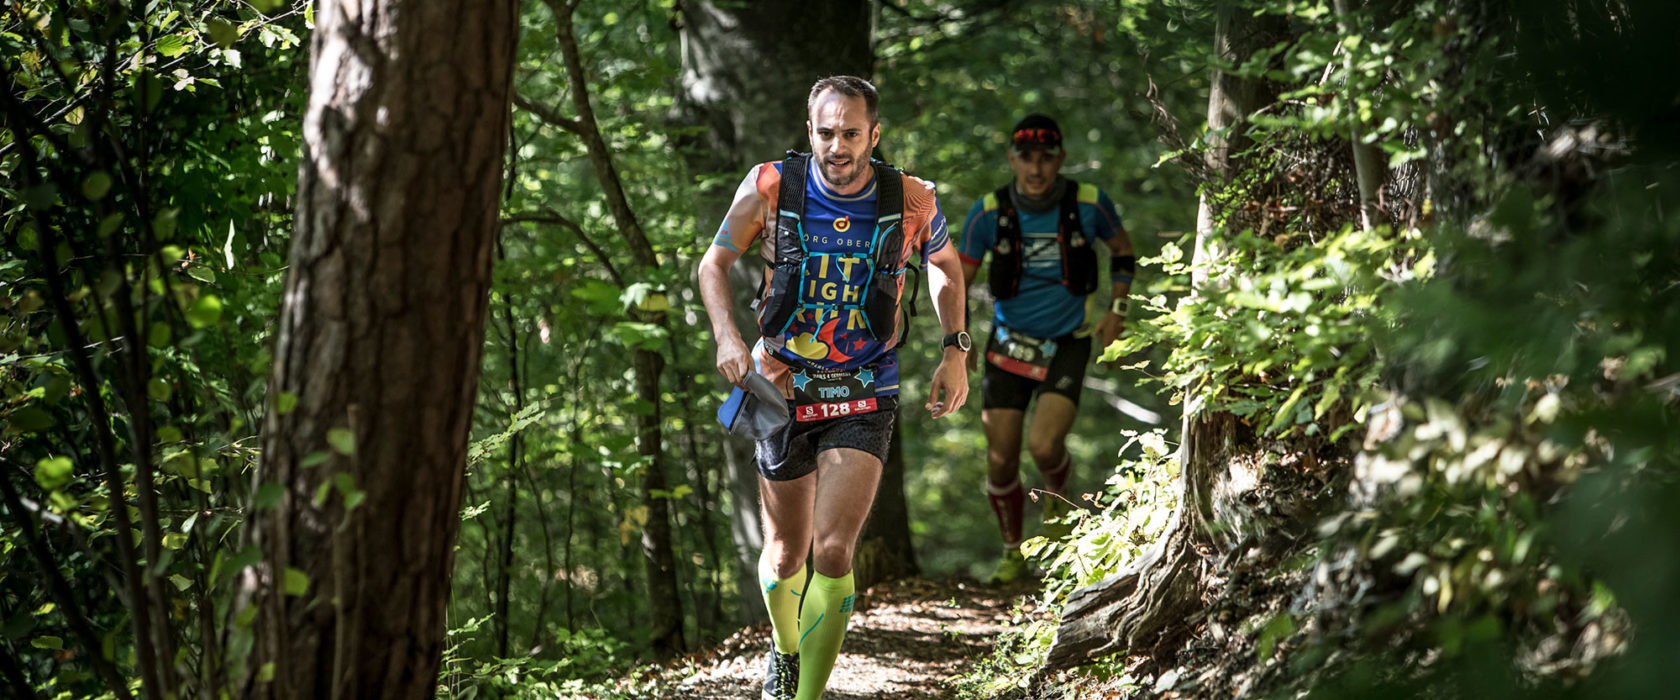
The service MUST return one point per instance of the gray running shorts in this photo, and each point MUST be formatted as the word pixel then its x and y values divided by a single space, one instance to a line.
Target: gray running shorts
pixel 792 452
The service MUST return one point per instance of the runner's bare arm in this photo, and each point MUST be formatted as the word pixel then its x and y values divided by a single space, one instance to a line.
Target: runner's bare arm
pixel 741 225
pixel 945 284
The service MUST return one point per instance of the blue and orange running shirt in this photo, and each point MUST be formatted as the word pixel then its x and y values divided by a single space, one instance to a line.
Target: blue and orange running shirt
pixel 1044 308
pixel 835 223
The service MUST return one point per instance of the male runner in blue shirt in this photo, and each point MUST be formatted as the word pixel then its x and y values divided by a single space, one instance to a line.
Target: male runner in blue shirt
pixel 835 248
pixel 1041 232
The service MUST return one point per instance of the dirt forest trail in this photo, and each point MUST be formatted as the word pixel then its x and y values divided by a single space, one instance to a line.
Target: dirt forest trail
pixel 908 639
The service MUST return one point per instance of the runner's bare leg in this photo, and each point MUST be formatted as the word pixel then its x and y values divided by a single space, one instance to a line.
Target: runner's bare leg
pixel 1047 439
pixel 826 509
pixel 1003 473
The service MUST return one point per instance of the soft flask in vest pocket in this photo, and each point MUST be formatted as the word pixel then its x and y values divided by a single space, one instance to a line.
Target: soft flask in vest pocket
pixel 775 313
pixel 1081 272
pixel 880 301
pixel 880 306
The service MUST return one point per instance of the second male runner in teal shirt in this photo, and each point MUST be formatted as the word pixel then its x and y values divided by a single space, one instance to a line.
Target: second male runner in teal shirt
pixel 1041 232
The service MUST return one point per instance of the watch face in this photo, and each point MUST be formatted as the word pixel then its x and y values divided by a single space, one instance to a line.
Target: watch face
pixel 964 342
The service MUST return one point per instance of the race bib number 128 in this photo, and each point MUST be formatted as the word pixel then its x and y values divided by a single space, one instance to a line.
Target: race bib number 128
pixel 825 395
pixel 824 411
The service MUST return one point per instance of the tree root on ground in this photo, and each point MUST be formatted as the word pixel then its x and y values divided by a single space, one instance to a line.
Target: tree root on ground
pixel 1141 608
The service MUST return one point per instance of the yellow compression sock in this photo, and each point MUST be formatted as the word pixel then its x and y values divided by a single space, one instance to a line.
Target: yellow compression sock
pixel 822 627
pixel 781 598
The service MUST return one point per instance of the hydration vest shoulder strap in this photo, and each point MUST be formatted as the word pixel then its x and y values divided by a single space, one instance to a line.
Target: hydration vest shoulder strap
pixel 1079 260
pixel 781 297
pixel 1069 222
pixel 881 292
pixel 889 217
pixel 790 197
pixel 1008 259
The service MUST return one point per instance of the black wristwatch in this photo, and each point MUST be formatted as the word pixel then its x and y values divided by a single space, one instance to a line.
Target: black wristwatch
pixel 959 339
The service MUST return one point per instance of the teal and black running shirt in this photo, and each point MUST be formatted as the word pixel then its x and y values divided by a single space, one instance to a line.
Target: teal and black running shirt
pixel 1044 308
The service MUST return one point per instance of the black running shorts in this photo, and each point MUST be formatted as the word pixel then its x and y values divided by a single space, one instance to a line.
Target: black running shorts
pixel 792 452
pixel 1000 389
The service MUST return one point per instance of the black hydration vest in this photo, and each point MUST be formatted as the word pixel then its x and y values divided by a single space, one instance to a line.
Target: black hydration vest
pixel 879 294
pixel 1079 261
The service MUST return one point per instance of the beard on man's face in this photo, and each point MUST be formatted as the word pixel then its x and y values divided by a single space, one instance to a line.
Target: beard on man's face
pixel 841 170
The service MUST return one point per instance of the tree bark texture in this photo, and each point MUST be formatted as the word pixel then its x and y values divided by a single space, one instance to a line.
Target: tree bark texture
pixel 1231 99
pixel 1131 610
pixel 377 353
pixel 748 67
pixel 1146 605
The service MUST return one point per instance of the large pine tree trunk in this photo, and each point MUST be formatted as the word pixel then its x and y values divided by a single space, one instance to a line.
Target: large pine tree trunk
pixel 747 69
pixel 377 354
pixel 1146 604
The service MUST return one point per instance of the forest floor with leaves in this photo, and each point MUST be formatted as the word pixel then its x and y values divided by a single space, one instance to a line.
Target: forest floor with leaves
pixel 915 638
pixel 1273 618
pixel 908 639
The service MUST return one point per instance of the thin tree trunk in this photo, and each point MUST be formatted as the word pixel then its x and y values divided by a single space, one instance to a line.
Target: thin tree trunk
pixel 504 565
pixel 540 620
pixel 571 517
pixel 1368 168
pixel 1145 604
pixel 665 636
pixel 658 551
pixel 516 462
pixel 377 353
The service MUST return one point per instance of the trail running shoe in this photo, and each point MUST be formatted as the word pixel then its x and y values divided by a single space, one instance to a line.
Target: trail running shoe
pixel 1012 568
pixel 781 680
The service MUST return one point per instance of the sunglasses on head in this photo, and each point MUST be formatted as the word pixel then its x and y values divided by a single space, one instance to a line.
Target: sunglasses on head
pixel 1043 136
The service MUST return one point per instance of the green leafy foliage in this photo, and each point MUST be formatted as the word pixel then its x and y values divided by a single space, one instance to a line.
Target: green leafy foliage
pixel 1286 344
pixel 1126 517
pixel 146 169
pixel 1479 339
